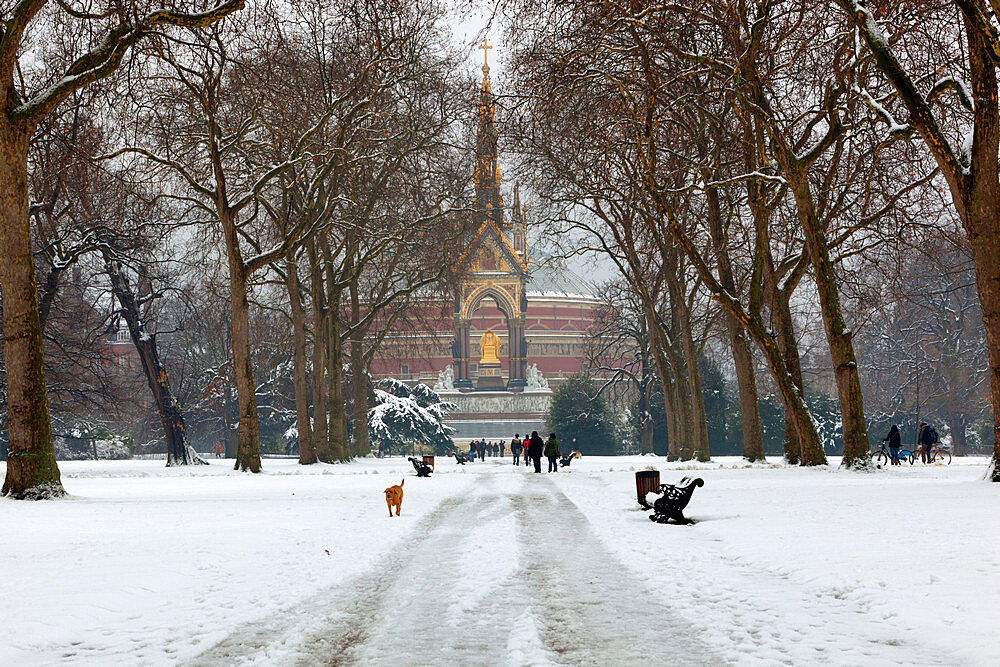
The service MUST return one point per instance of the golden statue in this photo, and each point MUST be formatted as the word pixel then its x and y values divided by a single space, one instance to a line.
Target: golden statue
pixel 489 346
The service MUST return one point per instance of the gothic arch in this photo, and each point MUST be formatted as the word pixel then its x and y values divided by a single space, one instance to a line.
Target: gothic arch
pixel 503 300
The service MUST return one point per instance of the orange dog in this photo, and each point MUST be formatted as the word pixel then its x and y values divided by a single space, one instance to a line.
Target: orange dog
pixel 394 496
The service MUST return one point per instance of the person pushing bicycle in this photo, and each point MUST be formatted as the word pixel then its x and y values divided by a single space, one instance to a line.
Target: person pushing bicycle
pixel 893 442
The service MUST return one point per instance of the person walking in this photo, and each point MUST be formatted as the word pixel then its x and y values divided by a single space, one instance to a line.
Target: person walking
pixel 893 443
pixel 472 452
pixel 515 448
pixel 503 446
pixel 552 452
pixel 535 449
pixel 926 438
pixel 524 445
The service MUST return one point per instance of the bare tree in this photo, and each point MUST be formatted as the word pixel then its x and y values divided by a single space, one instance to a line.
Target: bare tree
pixel 33 87
pixel 957 116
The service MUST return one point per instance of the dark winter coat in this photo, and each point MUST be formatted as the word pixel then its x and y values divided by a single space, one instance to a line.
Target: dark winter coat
pixel 552 447
pixel 535 447
pixel 893 437
pixel 516 446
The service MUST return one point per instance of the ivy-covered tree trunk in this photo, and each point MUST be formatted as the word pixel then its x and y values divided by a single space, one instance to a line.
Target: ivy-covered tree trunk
pixel 32 472
pixel 178 450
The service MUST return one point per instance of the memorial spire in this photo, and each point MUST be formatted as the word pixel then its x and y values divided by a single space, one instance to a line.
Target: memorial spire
pixel 489 201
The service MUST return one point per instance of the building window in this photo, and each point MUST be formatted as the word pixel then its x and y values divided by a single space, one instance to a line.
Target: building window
pixel 405 369
pixel 473 369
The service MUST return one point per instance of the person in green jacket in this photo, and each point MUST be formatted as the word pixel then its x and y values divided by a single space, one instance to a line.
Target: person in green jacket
pixel 552 452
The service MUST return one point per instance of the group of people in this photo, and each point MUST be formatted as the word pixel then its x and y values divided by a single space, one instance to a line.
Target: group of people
pixel 533 449
pixel 927 436
pixel 482 449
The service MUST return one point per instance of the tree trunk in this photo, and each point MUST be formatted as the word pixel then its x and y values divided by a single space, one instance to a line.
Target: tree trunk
pixel 784 333
pixel 681 386
pixel 699 422
pixel 983 229
pixel 307 453
pixel 178 451
pixel 339 447
pixel 645 418
pixel 839 338
pixel 666 385
pixel 956 420
pixel 337 426
pixel 359 379
pixel 812 448
pixel 247 432
pixel 32 472
pixel 753 438
pixel 321 443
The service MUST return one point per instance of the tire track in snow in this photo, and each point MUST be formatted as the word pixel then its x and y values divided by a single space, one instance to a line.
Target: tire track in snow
pixel 282 637
pixel 510 576
pixel 592 610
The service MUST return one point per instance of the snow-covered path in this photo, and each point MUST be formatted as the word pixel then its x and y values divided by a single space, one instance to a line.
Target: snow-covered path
pixel 510 573
pixel 143 564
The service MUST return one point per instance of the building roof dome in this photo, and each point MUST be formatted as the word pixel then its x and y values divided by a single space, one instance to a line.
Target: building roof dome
pixel 550 277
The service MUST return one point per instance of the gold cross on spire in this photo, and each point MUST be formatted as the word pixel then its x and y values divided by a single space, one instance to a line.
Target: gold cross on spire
pixel 485 47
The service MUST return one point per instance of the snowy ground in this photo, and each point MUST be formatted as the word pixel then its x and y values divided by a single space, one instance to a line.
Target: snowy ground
pixel 494 565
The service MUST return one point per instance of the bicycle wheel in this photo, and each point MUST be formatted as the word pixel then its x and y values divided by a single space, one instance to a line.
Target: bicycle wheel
pixel 881 459
pixel 942 455
pixel 913 458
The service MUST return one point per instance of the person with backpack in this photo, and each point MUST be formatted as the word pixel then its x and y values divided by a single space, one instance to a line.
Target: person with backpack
pixel 524 444
pixel 515 448
pixel 928 436
pixel 552 452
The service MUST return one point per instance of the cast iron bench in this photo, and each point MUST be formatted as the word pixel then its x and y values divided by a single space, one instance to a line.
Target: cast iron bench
pixel 673 499
pixel 461 458
pixel 423 470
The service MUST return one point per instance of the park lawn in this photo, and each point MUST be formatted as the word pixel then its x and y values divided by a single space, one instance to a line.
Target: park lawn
pixel 142 563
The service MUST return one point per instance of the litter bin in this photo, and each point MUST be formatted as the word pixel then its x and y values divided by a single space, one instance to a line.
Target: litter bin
pixel 429 460
pixel 646 481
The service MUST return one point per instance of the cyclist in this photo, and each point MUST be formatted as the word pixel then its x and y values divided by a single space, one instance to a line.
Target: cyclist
pixel 893 442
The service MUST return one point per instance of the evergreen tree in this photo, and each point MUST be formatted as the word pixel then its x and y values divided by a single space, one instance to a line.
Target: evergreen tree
pixel 579 411
pixel 405 416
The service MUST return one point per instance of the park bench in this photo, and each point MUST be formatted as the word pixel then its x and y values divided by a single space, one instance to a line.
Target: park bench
pixel 568 458
pixel 423 470
pixel 673 499
pixel 461 458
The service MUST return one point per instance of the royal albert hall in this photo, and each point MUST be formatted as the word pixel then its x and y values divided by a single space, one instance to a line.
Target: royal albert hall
pixel 539 309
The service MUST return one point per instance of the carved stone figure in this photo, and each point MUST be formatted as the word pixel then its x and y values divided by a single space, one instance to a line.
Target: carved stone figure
pixel 535 379
pixel 446 379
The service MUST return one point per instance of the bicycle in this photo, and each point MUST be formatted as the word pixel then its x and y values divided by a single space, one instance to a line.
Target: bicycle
pixel 881 457
pixel 938 453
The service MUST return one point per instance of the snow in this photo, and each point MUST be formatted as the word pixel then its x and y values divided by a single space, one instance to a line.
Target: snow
pixel 491 564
